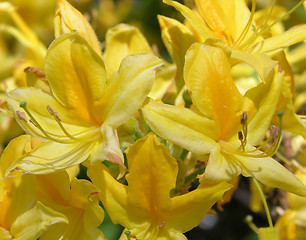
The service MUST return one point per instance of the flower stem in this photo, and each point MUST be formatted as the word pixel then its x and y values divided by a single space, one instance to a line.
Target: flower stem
pixel 264 202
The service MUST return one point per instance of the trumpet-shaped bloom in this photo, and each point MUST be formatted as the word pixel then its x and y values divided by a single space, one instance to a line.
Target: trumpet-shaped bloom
pixel 78 120
pixel 224 123
pixel 22 217
pixel 144 207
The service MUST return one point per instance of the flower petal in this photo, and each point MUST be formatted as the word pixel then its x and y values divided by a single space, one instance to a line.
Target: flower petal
pixel 51 156
pixel 68 19
pixel 194 19
pixel 208 78
pixel 220 167
pixel 122 40
pixel 262 64
pixel 37 102
pixel 112 194
pixel 177 39
pixel 227 18
pixel 188 210
pixel 187 129
pixel 275 44
pixel 34 222
pixel 76 74
pixel 271 173
pixel 260 105
pixel 152 174
pixel 128 88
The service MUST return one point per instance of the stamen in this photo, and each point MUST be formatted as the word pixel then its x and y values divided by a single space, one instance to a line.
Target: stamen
pixel 248 25
pixel 163 224
pixel 21 116
pixel 260 32
pixel 243 118
pixel 31 121
pixel 50 109
pixel 276 133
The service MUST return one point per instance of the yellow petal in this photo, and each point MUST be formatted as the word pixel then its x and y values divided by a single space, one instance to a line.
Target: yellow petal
pixel 262 64
pixel 51 156
pixel 128 88
pixel 195 20
pixel 212 89
pixel 37 102
pixel 271 173
pixel 187 129
pixel 226 18
pixel 275 44
pixel 112 194
pixel 286 225
pixel 14 150
pixel 76 74
pixel 122 40
pixel 260 104
pixel 33 223
pixel 16 202
pixel 220 167
pixel 152 174
pixel 177 39
pixel 188 210
pixel 68 19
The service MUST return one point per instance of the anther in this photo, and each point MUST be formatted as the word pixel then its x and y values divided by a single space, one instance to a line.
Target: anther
pixel 163 224
pixel 21 116
pixel 57 116
pixel 240 136
pixel 50 110
pixel 243 118
pixel 31 121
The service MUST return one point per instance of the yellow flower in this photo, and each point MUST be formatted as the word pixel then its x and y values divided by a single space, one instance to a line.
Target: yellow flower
pixel 78 120
pixel 145 207
pixel 292 225
pixel 224 123
pixel 22 217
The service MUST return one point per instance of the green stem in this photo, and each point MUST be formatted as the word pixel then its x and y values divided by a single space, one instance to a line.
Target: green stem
pixel 264 202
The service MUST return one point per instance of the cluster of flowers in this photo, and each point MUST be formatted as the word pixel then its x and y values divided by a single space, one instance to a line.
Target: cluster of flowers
pixel 146 129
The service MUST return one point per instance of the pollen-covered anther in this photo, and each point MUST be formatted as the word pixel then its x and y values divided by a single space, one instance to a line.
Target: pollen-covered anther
pixel 31 121
pixel 57 116
pixel 243 118
pixel 21 116
pixel 50 110
pixel 163 224
pixel 240 136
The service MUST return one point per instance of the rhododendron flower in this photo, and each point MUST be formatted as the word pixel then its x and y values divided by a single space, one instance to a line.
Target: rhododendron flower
pixel 224 123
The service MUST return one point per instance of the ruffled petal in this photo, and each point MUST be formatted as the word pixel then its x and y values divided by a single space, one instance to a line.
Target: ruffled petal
pixel 187 129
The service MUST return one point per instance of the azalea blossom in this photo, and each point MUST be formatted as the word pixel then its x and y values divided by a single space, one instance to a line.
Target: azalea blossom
pixel 18 200
pixel 77 120
pixel 145 207
pixel 224 123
